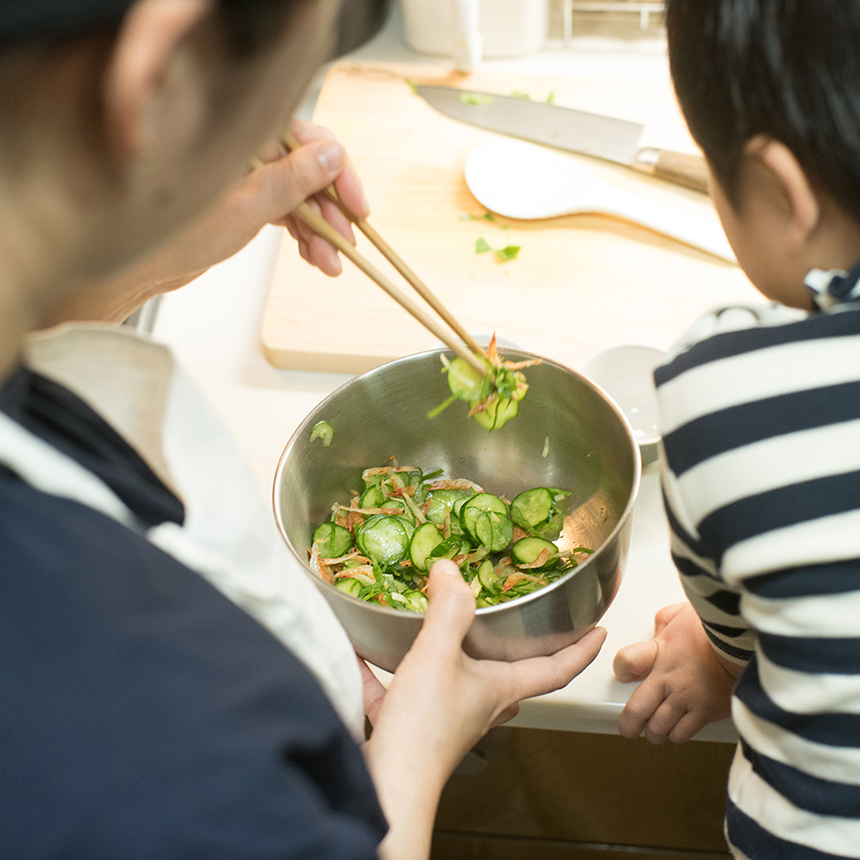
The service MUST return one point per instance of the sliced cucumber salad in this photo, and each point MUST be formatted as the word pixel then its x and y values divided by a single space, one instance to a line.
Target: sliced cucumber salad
pixel 381 546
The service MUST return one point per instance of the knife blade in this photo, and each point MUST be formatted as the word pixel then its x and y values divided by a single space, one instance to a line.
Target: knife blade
pixel 608 138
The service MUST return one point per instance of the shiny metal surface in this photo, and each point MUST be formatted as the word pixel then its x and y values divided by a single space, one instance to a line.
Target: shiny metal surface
pixel 539 122
pixel 567 434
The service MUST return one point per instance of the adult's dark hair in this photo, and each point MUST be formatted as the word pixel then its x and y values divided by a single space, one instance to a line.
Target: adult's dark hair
pixel 788 69
pixel 249 23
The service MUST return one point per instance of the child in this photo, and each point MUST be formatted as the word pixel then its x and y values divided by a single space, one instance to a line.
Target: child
pixel 761 424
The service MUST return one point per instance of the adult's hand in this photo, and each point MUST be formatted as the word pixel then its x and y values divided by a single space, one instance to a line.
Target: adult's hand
pixel 441 701
pixel 265 196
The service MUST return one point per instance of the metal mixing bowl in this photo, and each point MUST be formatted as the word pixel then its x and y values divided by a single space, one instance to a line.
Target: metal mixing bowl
pixel 567 434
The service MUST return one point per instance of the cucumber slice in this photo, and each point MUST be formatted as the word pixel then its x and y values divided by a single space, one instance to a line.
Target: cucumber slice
pixel 372 497
pixel 532 508
pixel 489 528
pixel 323 431
pixel 497 414
pixel 480 526
pixel 350 586
pixel 526 551
pixel 404 512
pixel 464 381
pixel 416 601
pixel 487 575
pixel 536 512
pixel 383 539
pixel 551 529
pixel 424 540
pixel 503 532
pixel 441 502
pixel 485 502
pixel 449 548
pixel 495 531
pixel 334 540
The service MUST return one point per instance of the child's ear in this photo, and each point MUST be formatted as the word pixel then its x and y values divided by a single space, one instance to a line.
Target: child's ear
pixel 793 194
pixel 150 88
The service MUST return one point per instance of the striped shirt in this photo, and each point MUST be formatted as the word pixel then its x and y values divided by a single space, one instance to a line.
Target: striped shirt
pixel 761 427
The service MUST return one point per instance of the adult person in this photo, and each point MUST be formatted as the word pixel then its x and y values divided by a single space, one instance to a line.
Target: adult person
pixel 144 713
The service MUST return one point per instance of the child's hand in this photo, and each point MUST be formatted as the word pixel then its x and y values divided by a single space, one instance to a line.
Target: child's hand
pixel 684 685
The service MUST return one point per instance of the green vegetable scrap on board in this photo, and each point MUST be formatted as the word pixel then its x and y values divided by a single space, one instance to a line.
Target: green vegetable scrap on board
pixel 509 252
pixel 469 98
pixel 381 546
pixel 487 216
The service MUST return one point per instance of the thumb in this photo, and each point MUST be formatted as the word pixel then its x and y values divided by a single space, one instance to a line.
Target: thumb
pixel 283 184
pixel 451 610
pixel 634 662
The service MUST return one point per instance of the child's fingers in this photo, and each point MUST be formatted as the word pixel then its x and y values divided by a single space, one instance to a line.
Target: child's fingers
pixel 687 727
pixel 640 707
pixel 634 662
pixel 665 615
pixel 663 721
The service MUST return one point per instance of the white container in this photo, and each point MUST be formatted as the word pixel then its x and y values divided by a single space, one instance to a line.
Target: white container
pixel 626 374
pixel 508 28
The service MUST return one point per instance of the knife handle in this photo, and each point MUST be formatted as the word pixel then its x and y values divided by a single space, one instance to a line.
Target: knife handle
pixel 691 171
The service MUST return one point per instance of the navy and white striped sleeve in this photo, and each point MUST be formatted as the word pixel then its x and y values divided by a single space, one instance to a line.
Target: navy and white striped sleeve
pixel 761 430
pixel 717 605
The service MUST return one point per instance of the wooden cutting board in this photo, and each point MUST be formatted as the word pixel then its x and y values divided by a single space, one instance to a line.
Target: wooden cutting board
pixel 580 283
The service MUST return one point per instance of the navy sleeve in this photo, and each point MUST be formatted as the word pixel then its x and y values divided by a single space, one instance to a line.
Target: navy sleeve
pixel 143 715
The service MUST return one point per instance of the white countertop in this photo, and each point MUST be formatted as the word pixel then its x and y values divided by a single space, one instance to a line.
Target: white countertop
pixel 213 328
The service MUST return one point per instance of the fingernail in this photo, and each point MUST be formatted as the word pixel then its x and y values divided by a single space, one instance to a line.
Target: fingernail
pixel 365 203
pixel 331 157
pixel 446 566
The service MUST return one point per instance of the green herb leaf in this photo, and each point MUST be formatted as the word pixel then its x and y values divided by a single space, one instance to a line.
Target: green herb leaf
pixel 509 252
pixel 550 99
pixel 412 86
pixel 322 430
pixel 517 94
pixel 468 98
pixel 487 216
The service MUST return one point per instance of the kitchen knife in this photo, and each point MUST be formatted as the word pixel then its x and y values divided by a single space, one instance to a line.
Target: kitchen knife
pixel 611 139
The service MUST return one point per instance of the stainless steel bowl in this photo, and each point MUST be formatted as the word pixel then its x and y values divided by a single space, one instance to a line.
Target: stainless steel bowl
pixel 567 434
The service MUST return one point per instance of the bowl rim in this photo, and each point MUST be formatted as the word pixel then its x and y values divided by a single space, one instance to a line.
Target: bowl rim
pixel 304 428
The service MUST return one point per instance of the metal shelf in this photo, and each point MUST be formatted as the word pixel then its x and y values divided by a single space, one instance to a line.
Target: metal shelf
pixel 644 8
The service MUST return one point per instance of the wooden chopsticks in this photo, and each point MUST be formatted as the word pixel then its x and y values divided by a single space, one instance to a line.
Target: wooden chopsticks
pixel 466 350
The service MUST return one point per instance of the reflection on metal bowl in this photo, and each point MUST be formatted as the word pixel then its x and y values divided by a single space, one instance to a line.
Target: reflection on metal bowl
pixel 567 434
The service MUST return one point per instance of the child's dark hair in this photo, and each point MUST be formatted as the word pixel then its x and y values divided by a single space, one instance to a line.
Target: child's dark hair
pixel 787 69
